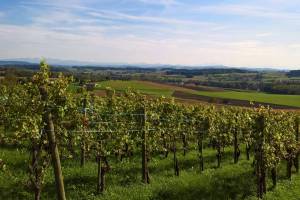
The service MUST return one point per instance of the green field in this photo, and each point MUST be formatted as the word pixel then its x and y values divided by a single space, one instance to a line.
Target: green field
pixel 231 181
pixel 288 100
pixel 167 90
pixel 143 87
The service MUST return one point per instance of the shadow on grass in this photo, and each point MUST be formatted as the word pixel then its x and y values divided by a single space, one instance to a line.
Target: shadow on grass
pixel 76 187
pixel 166 164
pixel 14 192
pixel 220 186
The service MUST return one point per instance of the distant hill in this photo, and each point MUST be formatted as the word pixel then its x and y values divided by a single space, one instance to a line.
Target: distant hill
pixel 294 73
pixel 80 64
pixel 202 71
pixel 15 63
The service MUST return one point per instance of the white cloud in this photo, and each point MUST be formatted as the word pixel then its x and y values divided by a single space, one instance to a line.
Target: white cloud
pixel 62 13
pixel 161 2
pixel 294 46
pixel 142 18
pixel 264 34
pixel 249 10
pixel 24 41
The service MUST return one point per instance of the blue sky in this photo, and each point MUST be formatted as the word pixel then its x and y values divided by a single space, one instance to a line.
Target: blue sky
pixel 189 32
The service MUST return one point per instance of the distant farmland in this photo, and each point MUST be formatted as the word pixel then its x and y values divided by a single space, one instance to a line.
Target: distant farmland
pixel 280 99
pixel 157 89
pixel 142 86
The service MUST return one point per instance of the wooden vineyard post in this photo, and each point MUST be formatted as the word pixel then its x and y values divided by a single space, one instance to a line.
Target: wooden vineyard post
pixel 291 161
pixel 99 160
pixel 49 128
pixel 145 170
pixel 166 146
pixel 236 147
pixel 200 149
pixel 296 160
pixel 185 144
pixel 259 157
pixel 236 133
pixel 175 159
pixel 82 159
pixel 219 155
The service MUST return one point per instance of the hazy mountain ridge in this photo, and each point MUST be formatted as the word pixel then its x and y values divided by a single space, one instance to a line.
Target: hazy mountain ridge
pixel 74 63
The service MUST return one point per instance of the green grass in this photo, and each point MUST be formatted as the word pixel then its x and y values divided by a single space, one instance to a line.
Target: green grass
pixel 288 100
pixel 143 87
pixel 73 87
pixel 231 181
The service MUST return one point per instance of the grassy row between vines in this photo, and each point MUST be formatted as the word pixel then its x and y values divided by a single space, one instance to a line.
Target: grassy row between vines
pixel 231 181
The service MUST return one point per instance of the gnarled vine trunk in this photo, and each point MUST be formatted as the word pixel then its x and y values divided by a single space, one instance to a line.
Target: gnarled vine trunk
pixel 274 176
pixel 248 151
pixel 185 144
pixel 175 160
pixel 219 155
pixel 200 149
pixel 237 152
pixel 36 181
pixel 289 165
